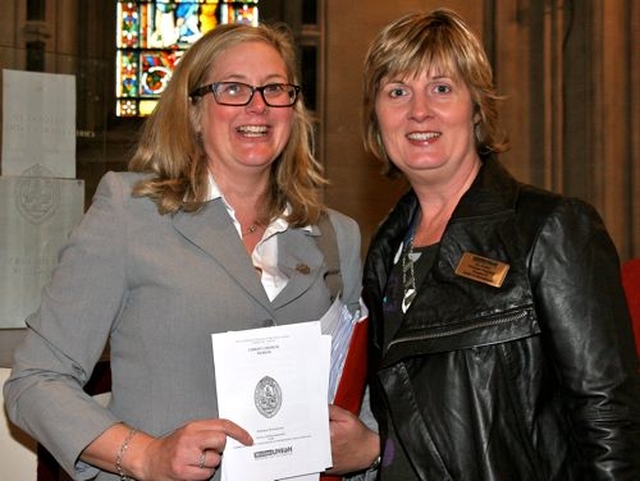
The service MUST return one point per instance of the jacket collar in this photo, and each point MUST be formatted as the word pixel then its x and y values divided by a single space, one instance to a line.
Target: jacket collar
pixel 211 229
pixel 493 190
pixel 300 259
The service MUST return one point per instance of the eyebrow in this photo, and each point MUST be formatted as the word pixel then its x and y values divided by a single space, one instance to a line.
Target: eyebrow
pixel 403 80
pixel 234 77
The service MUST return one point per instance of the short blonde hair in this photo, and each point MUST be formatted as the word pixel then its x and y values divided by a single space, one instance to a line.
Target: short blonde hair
pixel 170 147
pixel 416 42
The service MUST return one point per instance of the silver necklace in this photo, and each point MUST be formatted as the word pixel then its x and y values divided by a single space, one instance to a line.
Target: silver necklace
pixel 409 275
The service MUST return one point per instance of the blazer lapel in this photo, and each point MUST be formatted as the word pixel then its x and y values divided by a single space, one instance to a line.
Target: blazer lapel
pixel 212 230
pixel 299 259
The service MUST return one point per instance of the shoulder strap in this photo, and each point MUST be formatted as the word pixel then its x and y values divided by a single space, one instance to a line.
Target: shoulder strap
pixel 328 245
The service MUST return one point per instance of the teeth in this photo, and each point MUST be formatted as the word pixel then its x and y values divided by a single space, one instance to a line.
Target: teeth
pixel 422 135
pixel 253 129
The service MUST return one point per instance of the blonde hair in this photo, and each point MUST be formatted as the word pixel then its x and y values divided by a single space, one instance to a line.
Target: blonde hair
pixel 171 150
pixel 415 43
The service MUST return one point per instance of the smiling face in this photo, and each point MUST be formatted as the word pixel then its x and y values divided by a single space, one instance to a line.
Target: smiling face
pixel 242 139
pixel 426 124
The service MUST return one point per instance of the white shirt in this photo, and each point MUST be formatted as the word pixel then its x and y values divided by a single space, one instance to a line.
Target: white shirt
pixel 265 255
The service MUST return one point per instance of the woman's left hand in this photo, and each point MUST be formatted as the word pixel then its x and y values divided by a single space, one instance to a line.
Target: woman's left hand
pixel 354 446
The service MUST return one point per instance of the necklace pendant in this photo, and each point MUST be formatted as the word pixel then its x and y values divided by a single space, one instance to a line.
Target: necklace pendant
pixel 409 277
pixel 250 230
pixel 409 294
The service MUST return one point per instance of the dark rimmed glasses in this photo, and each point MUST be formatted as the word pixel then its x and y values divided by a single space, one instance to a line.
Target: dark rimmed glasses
pixel 238 94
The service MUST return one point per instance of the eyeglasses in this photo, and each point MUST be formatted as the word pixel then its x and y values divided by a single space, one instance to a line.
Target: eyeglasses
pixel 239 94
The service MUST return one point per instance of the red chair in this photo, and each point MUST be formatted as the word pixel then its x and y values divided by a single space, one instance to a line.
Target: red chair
pixel 631 284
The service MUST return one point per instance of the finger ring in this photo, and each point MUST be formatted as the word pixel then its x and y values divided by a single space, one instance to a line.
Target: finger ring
pixel 203 457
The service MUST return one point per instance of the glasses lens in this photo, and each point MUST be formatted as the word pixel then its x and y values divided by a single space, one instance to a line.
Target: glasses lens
pixel 232 93
pixel 279 95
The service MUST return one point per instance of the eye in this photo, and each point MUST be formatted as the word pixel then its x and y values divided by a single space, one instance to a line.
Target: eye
pixel 442 89
pixel 232 88
pixel 274 89
pixel 397 92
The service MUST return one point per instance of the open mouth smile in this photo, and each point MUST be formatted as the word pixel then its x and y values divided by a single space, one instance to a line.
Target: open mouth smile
pixel 252 130
pixel 423 136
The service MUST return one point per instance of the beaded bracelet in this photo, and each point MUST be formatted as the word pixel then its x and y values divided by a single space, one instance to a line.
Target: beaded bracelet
pixel 123 447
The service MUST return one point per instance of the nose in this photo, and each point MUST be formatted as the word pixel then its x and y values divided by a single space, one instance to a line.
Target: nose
pixel 257 103
pixel 420 107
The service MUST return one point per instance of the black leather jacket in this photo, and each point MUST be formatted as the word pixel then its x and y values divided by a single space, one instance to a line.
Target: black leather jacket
pixel 533 380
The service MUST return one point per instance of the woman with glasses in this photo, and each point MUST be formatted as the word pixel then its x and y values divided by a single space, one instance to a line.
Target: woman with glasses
pixel 217 227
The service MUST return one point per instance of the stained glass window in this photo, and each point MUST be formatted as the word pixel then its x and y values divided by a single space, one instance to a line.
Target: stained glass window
pixel 152 35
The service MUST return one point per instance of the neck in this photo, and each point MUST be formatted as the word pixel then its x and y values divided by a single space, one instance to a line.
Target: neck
pixel 437 206
pixel 241 187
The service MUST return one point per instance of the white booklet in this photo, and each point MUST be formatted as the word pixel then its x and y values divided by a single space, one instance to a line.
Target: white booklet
pixel 273 382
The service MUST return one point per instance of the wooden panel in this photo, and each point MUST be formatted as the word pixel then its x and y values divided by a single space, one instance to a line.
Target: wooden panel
pixel 610 136
pixel 633 197
pixel 598 159
pixel 513 63
pixel 552 128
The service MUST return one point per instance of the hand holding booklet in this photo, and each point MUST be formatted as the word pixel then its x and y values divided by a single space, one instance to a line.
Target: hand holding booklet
pixel 273 382
pixel 276 383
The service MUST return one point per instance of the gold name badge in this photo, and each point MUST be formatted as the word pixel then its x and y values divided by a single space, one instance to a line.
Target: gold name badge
pixel 482 269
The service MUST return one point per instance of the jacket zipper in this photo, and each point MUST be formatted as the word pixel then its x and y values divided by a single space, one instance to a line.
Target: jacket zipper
pixel 460 330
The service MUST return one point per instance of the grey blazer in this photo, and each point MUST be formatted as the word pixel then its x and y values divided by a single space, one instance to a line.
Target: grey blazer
pixel 154 286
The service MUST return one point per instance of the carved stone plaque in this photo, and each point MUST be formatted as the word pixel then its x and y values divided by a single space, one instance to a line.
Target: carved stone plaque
pixel 36 216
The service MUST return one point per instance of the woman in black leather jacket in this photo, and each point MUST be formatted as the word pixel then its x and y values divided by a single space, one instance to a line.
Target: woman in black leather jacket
pixel 501 345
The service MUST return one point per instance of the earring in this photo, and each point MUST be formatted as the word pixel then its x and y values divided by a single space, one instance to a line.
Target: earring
pixel 477 131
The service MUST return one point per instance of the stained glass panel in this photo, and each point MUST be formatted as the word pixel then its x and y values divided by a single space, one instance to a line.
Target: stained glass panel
pixel 152 35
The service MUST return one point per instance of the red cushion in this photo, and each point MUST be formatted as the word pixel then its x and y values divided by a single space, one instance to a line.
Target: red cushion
pixel 631 284
pixel 352 383
pixel 351 387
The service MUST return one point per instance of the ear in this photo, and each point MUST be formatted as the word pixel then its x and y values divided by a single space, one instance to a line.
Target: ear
pixel 195 116
pixel 477 116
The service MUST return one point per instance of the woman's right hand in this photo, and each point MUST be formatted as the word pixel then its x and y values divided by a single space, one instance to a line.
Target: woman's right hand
pixel 192 452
